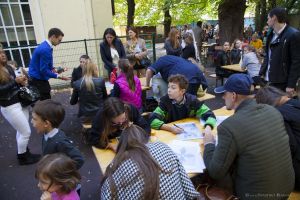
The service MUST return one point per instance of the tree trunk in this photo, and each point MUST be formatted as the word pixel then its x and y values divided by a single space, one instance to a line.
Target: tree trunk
pixel 231 19
pixel 167 18
pixel 263 14
pixel 130 13
pixel 113 11
pixel 257 16
pixel 272 4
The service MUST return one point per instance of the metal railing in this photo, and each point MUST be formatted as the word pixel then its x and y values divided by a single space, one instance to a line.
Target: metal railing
pixel 67 54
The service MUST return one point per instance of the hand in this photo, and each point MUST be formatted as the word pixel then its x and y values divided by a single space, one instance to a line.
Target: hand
pixel 207 130
pixel 208 138
pixel 176 130
pixel 112 146
pixel 64 78
pixel 21 80
pixel 46 196
pixel 290 91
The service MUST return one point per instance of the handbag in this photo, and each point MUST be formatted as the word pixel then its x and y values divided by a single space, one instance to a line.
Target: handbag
pixel 211 192
pixel 28 95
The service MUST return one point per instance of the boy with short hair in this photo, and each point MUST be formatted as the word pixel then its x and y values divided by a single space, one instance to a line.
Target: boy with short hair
pixel 47 115
pixel 178 104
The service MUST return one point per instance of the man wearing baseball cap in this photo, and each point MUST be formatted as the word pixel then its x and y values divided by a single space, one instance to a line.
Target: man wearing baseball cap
pixel 253 146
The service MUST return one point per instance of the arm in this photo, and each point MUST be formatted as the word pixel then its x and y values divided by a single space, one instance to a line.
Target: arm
pixel 149 74
pixel 143 48
pixel 104 90
pixel 218 159
pixel 104 58
pixel 122 50
pixel 115 92
pixel 46 64
pixel 7 87
pixel 170 50
pixel 294 70
pixel 74 97
pixel 70 150
pixel 206 114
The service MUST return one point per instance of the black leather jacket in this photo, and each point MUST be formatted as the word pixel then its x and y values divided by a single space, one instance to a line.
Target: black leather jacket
pixel 89 102
pixel 285 57
pixel 9 90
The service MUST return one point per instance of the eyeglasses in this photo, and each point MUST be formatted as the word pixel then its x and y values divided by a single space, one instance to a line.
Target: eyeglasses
pixel 120 123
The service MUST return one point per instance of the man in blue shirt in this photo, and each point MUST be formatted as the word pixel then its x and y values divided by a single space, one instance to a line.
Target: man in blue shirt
pixel 170 65
pixel 41 65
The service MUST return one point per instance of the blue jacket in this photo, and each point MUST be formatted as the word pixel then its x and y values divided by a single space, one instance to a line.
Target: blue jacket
pixel 41 64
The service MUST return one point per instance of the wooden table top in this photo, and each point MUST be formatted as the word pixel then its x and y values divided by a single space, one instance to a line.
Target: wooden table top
pixel 105 156
pixel 235 67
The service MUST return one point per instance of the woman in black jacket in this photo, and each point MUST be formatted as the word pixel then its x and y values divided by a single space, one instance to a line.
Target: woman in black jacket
pixel 111 50
pixel 12 110
pixel 290 110
pixel 111 120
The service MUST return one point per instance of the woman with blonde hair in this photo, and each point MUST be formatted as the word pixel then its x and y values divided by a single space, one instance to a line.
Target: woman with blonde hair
pixel 172 43
pixel 89 91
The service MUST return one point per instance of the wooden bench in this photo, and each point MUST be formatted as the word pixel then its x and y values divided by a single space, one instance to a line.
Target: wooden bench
pixel 294 196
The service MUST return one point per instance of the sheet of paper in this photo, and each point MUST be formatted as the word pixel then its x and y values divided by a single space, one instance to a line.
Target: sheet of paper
pixel 189 155
pixel 191 131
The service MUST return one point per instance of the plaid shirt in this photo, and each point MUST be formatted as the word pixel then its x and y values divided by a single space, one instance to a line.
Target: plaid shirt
pixel 130 184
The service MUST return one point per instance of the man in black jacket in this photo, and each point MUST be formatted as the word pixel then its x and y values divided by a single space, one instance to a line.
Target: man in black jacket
pixel 281 67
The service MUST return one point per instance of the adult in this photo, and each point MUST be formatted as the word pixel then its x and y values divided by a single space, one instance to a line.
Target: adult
pixel 77 72
pixel 281 66
pixel 111 120
pixel 256 42
pixel 41 65
pixel 111 50
pixel 170 65
pixel 12 110
pixel 136 51
pixel 290 110
pixel 90 92
pixel 199 36
pixel 127 86
pixel 253 147
pixel 145 170
pixel 172 43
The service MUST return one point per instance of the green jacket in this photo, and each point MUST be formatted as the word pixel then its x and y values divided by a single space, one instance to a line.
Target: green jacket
pixel 253 143
pixel 168 111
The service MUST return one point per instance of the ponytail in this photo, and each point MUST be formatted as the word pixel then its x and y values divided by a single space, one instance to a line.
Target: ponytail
pixel 125 67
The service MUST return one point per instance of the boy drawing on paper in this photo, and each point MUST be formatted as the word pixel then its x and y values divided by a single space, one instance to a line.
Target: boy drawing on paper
pixel 178 104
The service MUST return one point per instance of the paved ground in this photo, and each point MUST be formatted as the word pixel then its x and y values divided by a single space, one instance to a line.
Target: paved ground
pixel 18 182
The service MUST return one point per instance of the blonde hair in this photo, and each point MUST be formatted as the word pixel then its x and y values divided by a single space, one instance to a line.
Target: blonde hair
pixel 89 71
pixel 4 74
pixel 173 38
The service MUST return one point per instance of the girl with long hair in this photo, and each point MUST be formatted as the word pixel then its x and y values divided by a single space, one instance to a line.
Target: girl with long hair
pixel 89 91
pixel 12 110
pixel 172 43
pixel 127 86
pixel 144 170
pixel 111 120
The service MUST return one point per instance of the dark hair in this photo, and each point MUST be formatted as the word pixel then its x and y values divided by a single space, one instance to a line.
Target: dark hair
pixel 269 95
pixel 280 13
pixel 110 31
pixel 112 108
pixel 132 145
pixel 56 32
pixel 131 28
pixel 84 57
pixel 199 24
pixel 125 67
pixel 298 86
pixel 60 170
pixel 51 111
pixel 173 38
pixel 180 80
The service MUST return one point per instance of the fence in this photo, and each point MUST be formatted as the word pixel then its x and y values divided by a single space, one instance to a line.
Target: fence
pixel 67 54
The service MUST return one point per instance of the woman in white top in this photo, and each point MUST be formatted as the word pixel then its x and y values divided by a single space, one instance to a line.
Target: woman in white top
pixel 111 50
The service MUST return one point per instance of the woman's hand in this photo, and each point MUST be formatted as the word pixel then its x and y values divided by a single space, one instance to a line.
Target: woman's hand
pixel 21 80
pixel 46 196
pixel 112 146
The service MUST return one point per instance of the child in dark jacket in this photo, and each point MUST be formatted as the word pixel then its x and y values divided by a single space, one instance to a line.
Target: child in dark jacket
pixel 47 115
pixel 178 104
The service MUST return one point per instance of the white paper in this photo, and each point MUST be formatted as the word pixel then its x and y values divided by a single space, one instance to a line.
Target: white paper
pixel 219 119
pixel 191 131
pixel 189 155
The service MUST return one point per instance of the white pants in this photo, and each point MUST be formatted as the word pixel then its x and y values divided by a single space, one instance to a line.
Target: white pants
pixel 18 117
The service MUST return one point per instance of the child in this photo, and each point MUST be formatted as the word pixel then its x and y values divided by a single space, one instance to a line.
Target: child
pixel 179 105
pixel 57 177
pixel 47 115
pixel 251 63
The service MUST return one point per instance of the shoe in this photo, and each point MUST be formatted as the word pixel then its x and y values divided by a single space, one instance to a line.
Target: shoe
pixel 28 158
